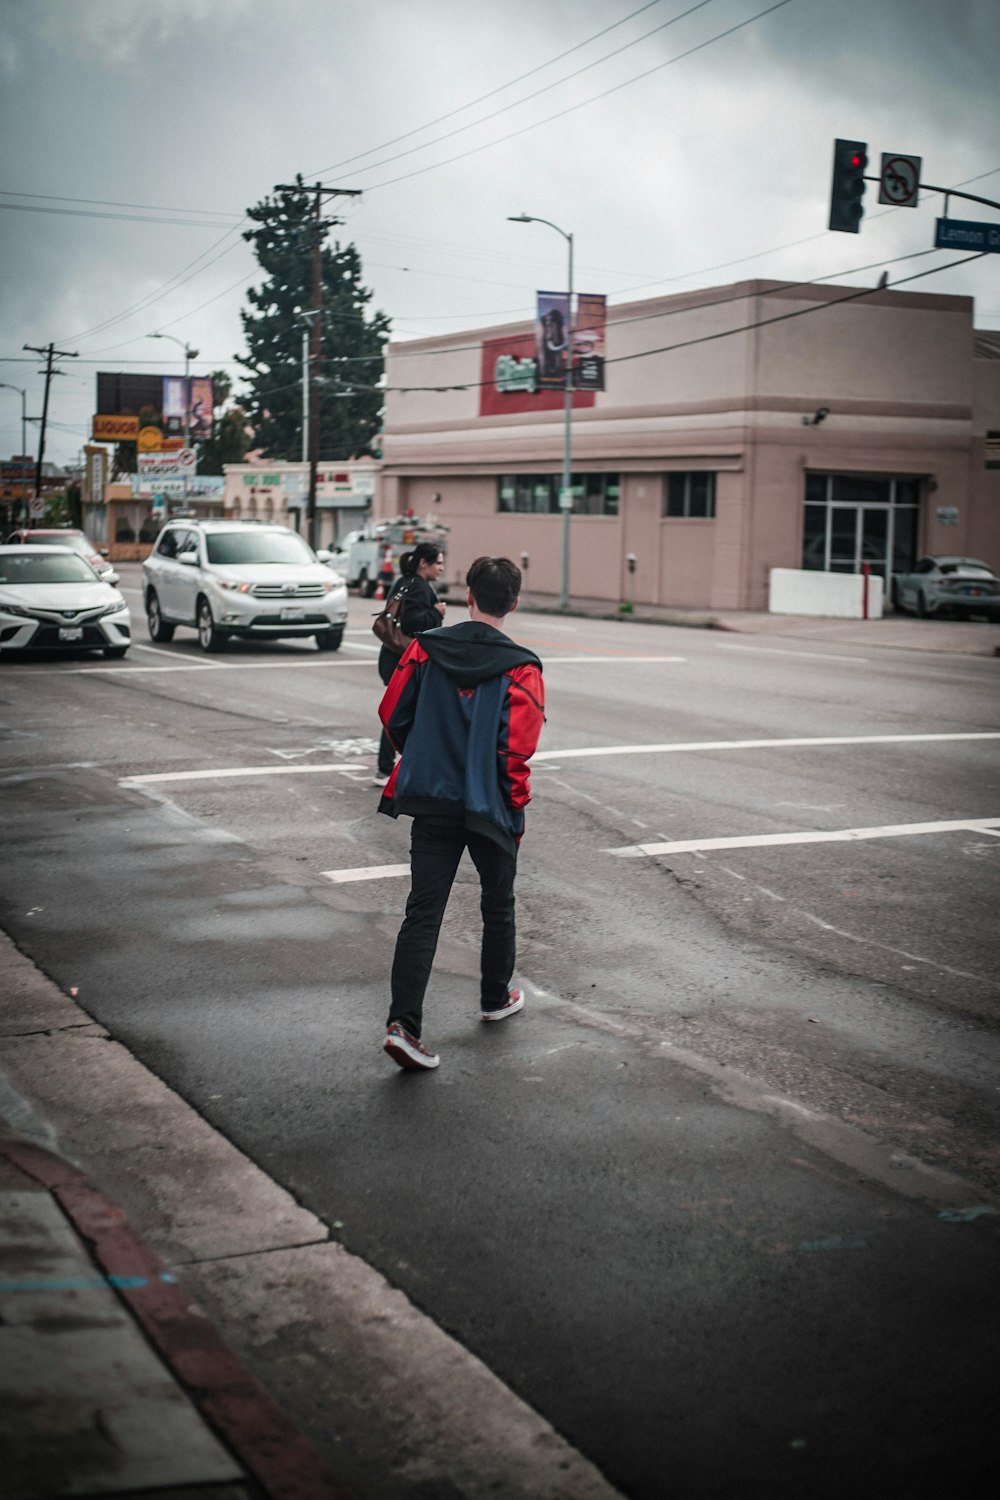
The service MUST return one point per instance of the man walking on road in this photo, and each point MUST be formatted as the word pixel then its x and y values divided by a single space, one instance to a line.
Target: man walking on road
pixel 465 706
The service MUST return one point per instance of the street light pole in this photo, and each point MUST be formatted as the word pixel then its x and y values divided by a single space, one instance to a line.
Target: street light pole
pixel 189 355
pixel 566 492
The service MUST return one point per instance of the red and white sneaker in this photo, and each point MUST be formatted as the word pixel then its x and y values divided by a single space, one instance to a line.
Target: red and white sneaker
pixel 513 1003
pixel 407 1050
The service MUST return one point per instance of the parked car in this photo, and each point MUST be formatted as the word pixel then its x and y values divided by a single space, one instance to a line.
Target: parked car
pixel 63 536
pixel 51 599
pixel 241 578
pixel 938 584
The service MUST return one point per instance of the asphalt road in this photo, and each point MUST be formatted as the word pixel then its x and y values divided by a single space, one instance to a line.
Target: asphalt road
pixel 722 1203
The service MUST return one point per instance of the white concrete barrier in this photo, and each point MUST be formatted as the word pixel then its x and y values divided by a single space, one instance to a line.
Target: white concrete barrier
pixel 839 596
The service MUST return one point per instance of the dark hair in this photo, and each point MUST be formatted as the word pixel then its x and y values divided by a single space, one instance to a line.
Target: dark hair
pixel 427 552
pixel 495 583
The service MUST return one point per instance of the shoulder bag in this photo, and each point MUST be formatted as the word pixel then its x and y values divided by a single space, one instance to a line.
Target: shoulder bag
pixel 386 625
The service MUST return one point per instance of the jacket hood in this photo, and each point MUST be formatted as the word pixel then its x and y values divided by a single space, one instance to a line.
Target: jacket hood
pixel 472 652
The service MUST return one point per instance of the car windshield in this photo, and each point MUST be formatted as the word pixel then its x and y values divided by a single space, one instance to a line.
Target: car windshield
pixel 239 547
pixel 77 543
pixel 35 567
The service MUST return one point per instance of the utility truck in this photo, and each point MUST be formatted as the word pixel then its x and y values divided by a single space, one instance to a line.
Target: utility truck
pixel 370 556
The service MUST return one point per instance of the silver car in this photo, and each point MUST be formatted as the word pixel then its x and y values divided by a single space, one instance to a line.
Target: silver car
pixel 52 600
pixel 240 578
pixel 963 585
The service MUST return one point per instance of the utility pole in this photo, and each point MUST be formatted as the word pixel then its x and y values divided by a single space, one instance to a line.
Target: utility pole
pixel 50 352
pixel 319 225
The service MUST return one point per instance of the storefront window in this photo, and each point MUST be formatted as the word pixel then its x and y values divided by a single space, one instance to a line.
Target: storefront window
pixel 856 519
pixel 538 494
pixel 690 495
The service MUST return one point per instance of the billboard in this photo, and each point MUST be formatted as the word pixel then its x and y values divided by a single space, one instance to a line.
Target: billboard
pixel 157 402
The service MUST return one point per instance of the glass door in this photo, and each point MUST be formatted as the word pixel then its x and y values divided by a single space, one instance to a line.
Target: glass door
pixel 875 540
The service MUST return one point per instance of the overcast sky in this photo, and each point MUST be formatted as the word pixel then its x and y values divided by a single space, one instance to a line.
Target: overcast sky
pixel 137 134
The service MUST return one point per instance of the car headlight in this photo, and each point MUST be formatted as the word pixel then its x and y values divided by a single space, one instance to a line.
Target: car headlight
pixel 239 588
pixel 116 608
pixel 17 609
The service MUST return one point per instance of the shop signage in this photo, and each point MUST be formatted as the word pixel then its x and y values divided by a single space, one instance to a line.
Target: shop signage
pixel 510 374
pixel 168 466
pixel 109 429
pixel 507 396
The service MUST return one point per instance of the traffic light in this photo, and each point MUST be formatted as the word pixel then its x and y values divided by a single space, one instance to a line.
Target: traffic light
pixel 849 161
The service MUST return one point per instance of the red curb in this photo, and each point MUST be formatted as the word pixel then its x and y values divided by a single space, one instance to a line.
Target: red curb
pixel 240 1409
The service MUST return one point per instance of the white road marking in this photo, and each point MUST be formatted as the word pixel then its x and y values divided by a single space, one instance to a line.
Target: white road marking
pixel 284 665
pixel 781 651
pixel 558 661
pixel 227 773
pixel 365 872
pixel 807 836
pixel 678 747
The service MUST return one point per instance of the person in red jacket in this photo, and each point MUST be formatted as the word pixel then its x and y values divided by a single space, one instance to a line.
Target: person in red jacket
pixel 465 707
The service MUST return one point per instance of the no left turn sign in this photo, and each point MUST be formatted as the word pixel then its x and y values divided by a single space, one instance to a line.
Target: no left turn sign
pixel 899 183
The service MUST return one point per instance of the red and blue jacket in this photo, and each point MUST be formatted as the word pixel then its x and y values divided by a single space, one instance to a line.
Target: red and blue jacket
pixel 465 707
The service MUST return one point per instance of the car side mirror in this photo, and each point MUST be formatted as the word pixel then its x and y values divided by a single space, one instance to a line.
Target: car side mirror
pixel 103 551
pixel 189 557
pixel 324 554
pixel 111 578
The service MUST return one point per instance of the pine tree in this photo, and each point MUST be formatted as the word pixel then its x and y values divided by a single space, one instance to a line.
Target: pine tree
pixel 351 337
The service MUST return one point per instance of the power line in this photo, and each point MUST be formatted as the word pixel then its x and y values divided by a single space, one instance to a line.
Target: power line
pixel 84 213
pixel 481 99
pixel 707 338
pixel 570 109
pixel 527 98
pixel 112 203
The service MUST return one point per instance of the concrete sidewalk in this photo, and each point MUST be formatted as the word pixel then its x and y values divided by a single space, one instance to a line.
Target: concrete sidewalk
pixel 897 631
pixel 162 1302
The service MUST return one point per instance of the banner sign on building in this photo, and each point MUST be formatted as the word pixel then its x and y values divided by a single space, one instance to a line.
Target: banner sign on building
pixel 114 429
pixel 200 487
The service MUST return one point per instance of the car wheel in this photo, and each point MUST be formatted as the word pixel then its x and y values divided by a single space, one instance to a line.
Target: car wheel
pixel 113 653
pixel 366 585
pixel 210 637
pixel 329 640
pixel 922 610
pixel 159 630
pixel 895 599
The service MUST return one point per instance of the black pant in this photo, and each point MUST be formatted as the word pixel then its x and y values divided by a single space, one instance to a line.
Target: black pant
pixel 436 846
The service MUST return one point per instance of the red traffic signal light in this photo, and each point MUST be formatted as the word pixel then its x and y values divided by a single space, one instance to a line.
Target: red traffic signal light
pixel 849 161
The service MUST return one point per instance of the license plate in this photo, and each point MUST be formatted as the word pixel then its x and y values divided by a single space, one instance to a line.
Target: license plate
pixel 293 614
pixel 71 632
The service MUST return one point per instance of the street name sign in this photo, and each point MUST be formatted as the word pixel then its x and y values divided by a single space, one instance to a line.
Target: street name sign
pixel 967 234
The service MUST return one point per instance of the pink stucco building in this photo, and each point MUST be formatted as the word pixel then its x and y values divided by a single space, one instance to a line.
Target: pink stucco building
pixel 742 428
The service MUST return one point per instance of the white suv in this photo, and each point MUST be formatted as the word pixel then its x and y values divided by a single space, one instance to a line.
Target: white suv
pixel 240 578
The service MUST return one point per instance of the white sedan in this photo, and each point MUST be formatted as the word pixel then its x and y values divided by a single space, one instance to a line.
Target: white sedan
pixel 52 600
